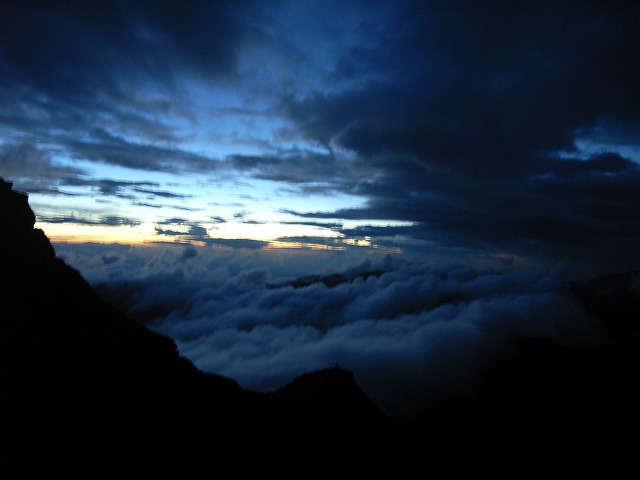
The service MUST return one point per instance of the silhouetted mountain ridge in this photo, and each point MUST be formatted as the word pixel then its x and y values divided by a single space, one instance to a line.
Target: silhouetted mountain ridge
pixel 87 389
pixel 330 280
pixel 548 409
pixel 614 299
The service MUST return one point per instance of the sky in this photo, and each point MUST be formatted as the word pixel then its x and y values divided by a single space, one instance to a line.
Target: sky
pixel 194 153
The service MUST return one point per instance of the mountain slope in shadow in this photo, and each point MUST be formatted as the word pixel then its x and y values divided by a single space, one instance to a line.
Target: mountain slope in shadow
pixel 549 409
pixel 86 390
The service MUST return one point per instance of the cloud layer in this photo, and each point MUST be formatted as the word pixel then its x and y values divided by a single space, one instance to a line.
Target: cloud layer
pixel 409 333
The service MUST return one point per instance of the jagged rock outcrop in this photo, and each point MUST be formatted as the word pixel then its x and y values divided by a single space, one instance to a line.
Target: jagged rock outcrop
pixel 86 390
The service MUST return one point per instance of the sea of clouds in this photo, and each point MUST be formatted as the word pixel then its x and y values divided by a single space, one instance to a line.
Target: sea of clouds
pixel 413 330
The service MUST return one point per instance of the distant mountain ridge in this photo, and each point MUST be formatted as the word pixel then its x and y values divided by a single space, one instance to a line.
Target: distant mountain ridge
pixel 87 390
pixel 330 280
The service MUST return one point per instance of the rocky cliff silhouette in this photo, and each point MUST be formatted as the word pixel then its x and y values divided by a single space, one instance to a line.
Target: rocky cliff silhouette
pixel 86 390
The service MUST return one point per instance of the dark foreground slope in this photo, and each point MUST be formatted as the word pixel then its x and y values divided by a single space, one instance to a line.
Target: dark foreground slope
pixel 86 390
pixel 548 410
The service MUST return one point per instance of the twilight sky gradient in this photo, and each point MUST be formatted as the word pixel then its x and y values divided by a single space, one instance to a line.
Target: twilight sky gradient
pixel 212 147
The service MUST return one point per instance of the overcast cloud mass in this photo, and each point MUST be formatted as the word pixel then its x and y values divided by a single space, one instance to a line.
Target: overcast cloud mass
pixel 476 152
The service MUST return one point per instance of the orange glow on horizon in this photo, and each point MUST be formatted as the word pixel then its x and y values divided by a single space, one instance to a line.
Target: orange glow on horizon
pixel 127 235
pixel 276 245
pixel 145 235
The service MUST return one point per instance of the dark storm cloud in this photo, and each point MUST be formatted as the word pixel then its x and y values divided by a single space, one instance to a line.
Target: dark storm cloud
pixel 471 108
pixel 472 81
pixel 72 50
pixel 583 211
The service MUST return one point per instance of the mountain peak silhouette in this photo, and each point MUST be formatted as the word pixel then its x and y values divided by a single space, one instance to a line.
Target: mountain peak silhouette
pixel 85 389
